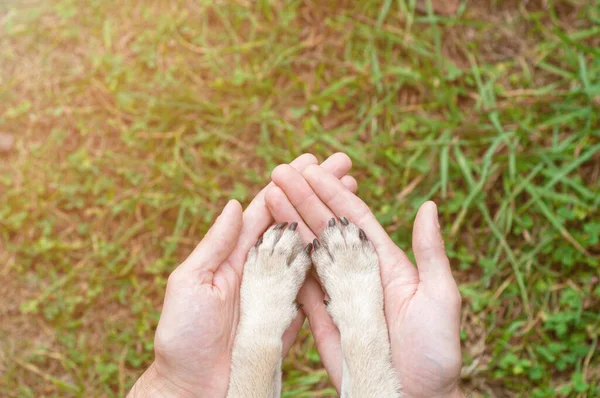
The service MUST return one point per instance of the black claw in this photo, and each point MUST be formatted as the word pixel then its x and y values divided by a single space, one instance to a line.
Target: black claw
pixel 281 225
pixel 332 222
pixel 259 241
pixel 299 306
pixel 326 303
pixel 308 248
pixel 293 226
pixel 316 244
pixel 344 220
pixel 362 235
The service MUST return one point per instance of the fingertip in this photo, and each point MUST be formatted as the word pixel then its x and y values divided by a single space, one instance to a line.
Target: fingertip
pixel 231 213
pixel 426 231
pixel 219 241
pixel 343 159
pixel 232 206
pixel 429 206
pixel 306 158
pixel 279 173
pixel 346 159
pixel 428 244
pixel 338 164
pixel 427 218
pixel 350 183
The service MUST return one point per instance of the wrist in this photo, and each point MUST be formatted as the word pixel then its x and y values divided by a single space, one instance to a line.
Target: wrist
pixel 457 393
pixel 154 384
pixel 453 393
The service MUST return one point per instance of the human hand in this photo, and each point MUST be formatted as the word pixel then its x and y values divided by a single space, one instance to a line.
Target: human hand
pixel 195 334
pixel 422 305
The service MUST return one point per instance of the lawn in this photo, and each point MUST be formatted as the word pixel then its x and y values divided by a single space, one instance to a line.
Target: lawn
pixel 134 123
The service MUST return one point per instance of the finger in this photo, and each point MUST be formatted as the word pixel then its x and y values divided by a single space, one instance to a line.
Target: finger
pixel 337 164
pixel 333 194
pixel 432 262
pixel 324 331
pixel 289 336
pixel 257 217
pixel 218 242
pixel 302 197
pixel 350 183
pixel 282 210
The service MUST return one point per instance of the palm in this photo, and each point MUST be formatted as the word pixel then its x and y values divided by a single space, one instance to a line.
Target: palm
pixel 423 342
pixel 195 334
pixel 194 338
pixel 422 304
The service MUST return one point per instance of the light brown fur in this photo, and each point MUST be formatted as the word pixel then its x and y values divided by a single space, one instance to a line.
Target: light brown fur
pixel 348 267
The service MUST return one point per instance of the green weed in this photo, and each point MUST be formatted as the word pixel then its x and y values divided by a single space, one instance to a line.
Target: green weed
pixel 135 122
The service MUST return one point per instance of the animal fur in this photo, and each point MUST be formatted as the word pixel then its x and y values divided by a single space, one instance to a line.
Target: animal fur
pixel 347 265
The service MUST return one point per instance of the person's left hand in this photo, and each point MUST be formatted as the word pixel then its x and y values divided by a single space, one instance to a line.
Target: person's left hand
pixel 197 326
pixel 422 303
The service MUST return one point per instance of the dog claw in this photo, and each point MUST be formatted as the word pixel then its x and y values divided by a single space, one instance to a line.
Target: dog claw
pixel 362 235
pixel 308 248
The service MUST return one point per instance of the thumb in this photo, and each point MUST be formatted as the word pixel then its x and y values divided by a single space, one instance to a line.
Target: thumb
pixel 428 246
pixel 218 242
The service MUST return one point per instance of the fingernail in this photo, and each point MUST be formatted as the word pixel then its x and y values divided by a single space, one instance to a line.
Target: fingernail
pixel 316 244
pixel 259 241
pixel 293 226
pixel 362 235
pixel 344 220
pixel 332 222
pixel 308 248
pixel 281 225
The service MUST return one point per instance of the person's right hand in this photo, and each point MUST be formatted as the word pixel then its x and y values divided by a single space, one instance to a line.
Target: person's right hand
pixel 422 304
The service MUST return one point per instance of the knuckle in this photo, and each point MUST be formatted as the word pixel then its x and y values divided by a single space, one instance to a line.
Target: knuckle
pixel 174 277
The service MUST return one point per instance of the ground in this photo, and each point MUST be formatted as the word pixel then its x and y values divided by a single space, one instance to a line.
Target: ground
pixel 128 125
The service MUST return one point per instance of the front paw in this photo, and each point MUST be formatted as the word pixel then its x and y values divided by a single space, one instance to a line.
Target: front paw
pixel 349 270
pixel 348 267
pixel 274 272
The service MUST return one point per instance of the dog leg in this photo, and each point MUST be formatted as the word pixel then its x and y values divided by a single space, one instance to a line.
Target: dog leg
pixel 348 267
pixel 274 272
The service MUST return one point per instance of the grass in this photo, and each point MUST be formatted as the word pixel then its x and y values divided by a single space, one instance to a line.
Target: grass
pixel 136 121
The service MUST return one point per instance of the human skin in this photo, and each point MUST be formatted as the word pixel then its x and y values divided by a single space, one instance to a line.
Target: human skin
pixel 422 303
pixel 195 334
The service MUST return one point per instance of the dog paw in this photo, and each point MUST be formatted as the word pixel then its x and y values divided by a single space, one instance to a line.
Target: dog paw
pixel 274 272
pixel 348 267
